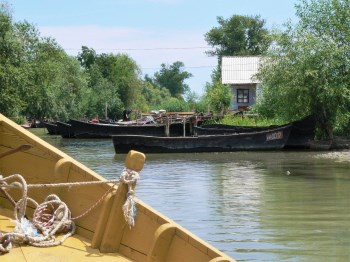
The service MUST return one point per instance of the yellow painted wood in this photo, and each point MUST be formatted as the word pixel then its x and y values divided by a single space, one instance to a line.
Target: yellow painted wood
pixel 221 259
pixel 145 227
pixel 162 242
pixel 103 219
pixel 74 249
pixel 102 234
pixel 135 160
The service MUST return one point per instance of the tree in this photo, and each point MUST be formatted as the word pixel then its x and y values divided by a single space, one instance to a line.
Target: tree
pixel 11 75
pixel 173 78
pixel 114 82
pixel 153 96
pixel 37 78
pixel 126 76
pixel 86 57
pixel 173 104
pixel 238 35
pixel 309 67
pixel 219 96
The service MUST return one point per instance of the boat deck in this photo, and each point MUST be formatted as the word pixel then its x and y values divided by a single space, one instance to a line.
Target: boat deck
pixel 75 248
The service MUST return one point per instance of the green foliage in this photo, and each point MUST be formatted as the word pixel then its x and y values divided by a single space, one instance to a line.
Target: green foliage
pixel 219 97
pixel 114 83
pixel 125 74
pixel 245 121
pixel 173 78
pixel 308 70
pixel 152 97
pixel 203 105
pixel 238 35
pixel 86 57
pixel 37 78
pixel 10 74
pixel 342 125
pixel 174 104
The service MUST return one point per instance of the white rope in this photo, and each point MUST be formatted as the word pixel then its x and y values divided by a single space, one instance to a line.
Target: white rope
pixel 130 178
pixel 74 184
pixel 53 216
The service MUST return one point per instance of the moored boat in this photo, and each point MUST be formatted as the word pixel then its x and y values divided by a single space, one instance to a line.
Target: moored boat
pixel 65 129
pixel 301 135
pixel 83 129
pixel 272 139
pixel 51 128
pixel 67 189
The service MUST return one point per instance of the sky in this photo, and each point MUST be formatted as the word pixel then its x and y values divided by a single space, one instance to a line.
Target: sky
pixel 151 32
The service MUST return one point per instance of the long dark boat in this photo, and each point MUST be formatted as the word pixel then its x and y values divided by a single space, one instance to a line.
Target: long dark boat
pixel 65 129
pixel 273 139
pixel 301 135
pixel 83 129
pixel 51 128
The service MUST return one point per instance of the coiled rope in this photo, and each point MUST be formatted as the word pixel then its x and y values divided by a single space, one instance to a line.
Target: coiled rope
pixel 53 216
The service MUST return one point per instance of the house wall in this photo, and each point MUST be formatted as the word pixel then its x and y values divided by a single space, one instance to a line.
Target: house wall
pixel 252 95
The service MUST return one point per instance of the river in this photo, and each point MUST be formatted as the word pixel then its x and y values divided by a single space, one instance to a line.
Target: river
pixel 254 206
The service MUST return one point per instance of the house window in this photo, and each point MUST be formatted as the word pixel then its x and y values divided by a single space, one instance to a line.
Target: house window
pixel 242 95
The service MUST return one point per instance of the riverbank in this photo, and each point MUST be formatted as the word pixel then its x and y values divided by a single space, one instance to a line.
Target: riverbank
pixel 339 143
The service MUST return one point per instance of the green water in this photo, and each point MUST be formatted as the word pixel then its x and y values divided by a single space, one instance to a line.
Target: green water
pixel 265 206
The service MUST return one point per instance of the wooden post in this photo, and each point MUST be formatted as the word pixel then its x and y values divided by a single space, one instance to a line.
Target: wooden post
pixel 167 127
pixel 184 126
pixel 111 223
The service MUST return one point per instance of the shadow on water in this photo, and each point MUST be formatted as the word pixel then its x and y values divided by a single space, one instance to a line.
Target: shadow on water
pixel 255 206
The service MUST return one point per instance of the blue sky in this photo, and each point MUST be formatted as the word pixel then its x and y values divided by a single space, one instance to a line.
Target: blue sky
pixel 152 32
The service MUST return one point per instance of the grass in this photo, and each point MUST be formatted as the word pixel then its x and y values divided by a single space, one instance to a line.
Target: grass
pixel 245 121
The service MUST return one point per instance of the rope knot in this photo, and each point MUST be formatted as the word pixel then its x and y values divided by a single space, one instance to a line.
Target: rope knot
pixel 129 177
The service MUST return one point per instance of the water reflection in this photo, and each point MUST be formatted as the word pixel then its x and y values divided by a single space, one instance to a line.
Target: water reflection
pixel 264 206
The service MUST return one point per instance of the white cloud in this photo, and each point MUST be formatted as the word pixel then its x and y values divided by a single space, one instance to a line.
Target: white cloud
pixel 149 48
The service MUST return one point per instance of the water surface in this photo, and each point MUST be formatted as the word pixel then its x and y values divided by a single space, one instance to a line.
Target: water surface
pixel 254 206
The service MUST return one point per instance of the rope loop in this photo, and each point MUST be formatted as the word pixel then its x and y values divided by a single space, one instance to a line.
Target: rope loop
pixel 129 176
pixel 53 215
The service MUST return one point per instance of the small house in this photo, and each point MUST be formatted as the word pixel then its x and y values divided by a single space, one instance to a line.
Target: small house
pixel 239 72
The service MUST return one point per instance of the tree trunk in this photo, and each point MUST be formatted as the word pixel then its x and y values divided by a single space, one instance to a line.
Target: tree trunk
pixel 326 125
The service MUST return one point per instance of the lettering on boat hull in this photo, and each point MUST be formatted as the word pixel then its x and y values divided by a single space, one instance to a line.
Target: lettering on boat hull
pixel 274 136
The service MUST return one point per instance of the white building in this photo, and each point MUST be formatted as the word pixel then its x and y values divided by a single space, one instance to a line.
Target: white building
pixel 239 72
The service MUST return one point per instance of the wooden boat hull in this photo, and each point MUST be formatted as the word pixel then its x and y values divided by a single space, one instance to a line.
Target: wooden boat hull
pixel 51 128
pixel 265 140
pixel 83 129
pixel 102 234
pixel 65 129
pixel 302 132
